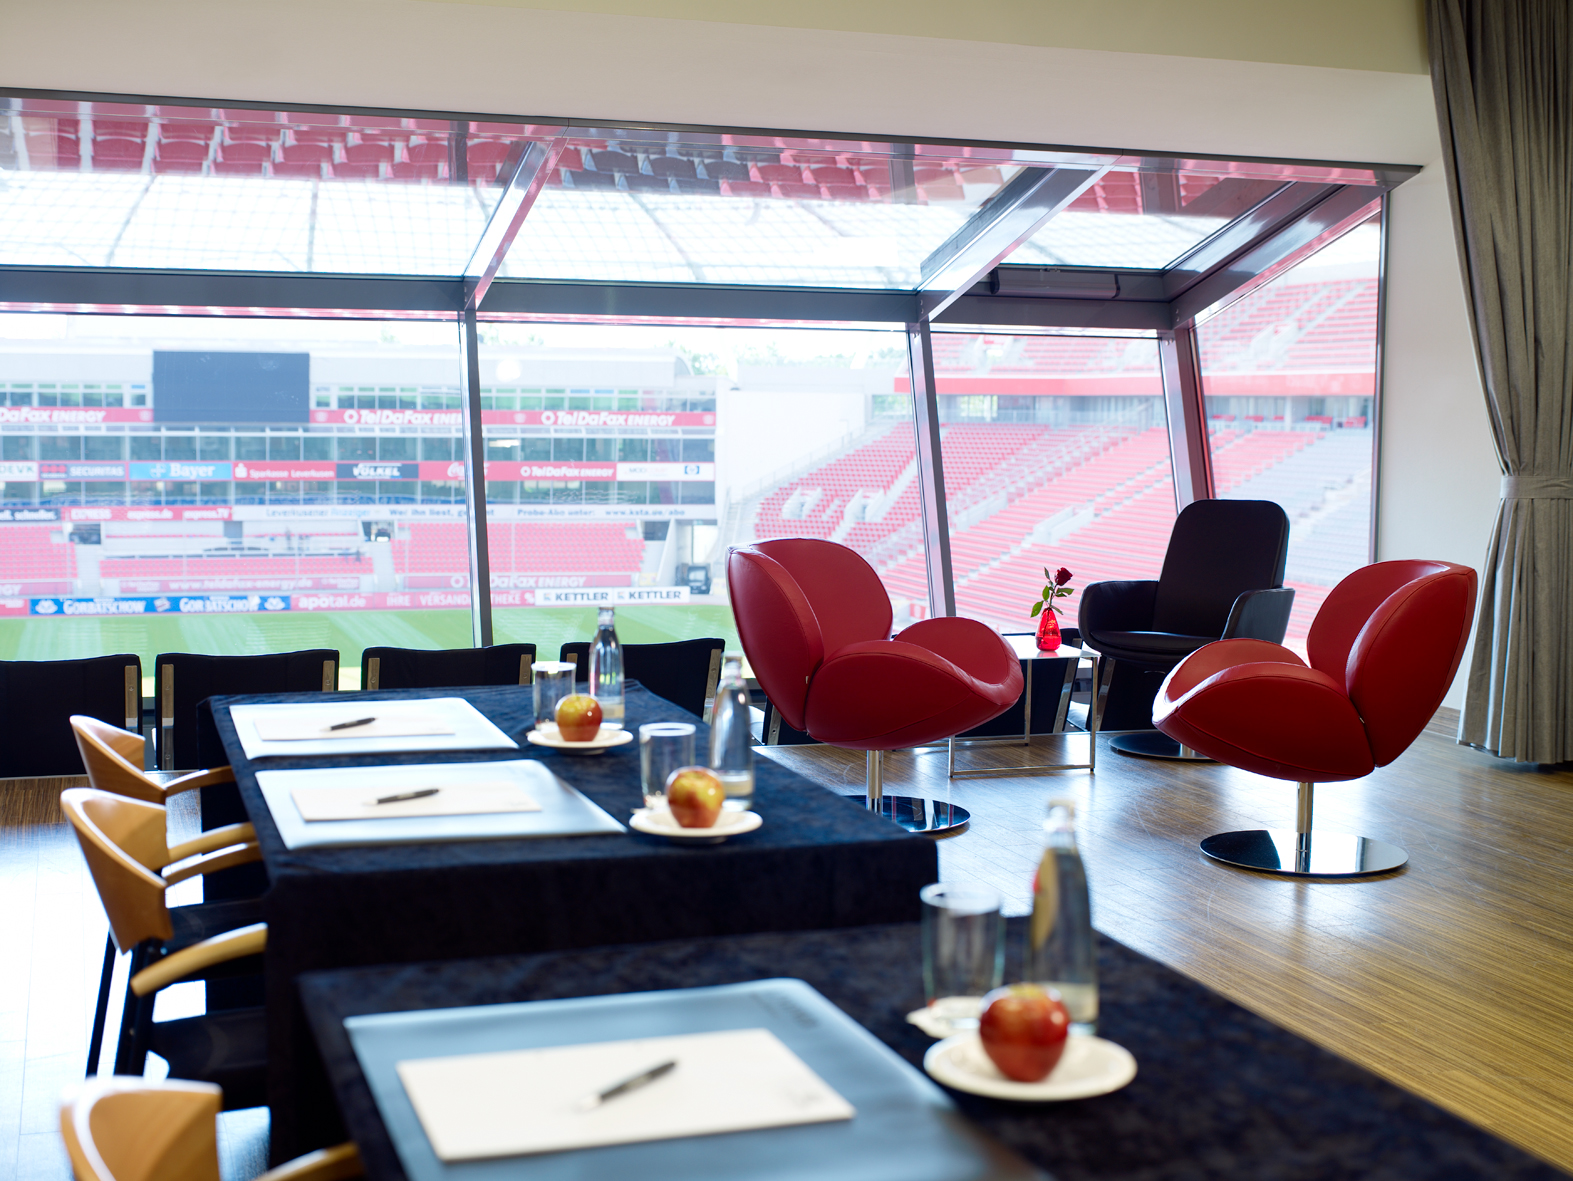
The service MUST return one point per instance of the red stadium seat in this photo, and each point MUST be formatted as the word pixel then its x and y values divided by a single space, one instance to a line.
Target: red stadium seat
pixel 779 173
pixel 369 153
pixel 797 191
pixel 429 151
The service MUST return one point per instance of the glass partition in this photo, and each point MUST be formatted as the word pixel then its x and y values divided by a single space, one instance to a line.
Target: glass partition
pixel 96 184
pixel 624 460
pixel 1289 374
pixel 304 477
pixel 681 208
pixel 1146 217
pixel 1056 454
pixel 228 486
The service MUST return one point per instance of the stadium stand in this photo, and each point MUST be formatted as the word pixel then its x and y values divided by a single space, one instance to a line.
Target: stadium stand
pixel 34 563
pixel 589 548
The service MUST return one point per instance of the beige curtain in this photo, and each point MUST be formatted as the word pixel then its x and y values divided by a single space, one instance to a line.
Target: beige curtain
pixel 1502 72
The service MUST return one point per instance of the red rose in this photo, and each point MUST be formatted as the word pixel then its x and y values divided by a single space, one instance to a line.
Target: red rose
pixel 1062 576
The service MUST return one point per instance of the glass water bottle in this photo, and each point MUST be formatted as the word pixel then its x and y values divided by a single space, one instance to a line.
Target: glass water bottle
pixel 1061 952
pixel 732 736
pixel 606 670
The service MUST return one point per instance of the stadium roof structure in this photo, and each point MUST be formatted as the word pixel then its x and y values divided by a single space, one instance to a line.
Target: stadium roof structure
pixel 122 204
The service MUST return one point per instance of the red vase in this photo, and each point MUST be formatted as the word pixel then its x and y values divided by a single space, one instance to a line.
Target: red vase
pixel 1048 631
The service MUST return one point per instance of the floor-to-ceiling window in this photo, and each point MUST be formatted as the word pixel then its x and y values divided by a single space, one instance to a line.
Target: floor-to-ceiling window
pixel 1289 374
pixel 236 401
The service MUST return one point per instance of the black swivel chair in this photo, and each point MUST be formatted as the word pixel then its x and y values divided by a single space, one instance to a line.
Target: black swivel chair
pixel 38 697
pixel 1222 579
pixel 421 668
pixel 684 672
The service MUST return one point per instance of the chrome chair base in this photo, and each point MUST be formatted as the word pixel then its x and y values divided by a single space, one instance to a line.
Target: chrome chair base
pixel 1304 854
pixel 1152 744
pixel 933 818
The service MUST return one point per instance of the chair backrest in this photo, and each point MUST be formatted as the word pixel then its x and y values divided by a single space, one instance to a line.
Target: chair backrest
pixel 113 759
pixel 1218 550
pixel 796 600
pixel 132 1129
pixel 1392 635
pixel 419 668
pixel 684 672
pixel 121 838
pixel 38 697
pixel 181 680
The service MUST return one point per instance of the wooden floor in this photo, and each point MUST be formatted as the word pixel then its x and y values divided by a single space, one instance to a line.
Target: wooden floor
pixel 1453 977
pixel 52 930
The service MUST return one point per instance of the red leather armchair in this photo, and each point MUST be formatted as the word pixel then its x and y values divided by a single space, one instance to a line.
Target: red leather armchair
pixel 815 622
pixel 1383 650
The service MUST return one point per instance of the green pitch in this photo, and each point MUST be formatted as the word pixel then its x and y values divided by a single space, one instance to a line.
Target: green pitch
pixel 547 628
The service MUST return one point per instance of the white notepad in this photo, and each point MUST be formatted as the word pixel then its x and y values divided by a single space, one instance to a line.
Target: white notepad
pixel 453 798
pixel 320 722
pixel 296 729
pixel 520 1102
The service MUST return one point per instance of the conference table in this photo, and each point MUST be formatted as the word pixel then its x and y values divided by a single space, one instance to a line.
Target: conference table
pixel 1219 1092
pixel 820 860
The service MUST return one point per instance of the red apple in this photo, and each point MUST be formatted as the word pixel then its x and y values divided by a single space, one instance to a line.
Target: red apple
pixel 578 717
pixel 1023 1027
pixel 695 796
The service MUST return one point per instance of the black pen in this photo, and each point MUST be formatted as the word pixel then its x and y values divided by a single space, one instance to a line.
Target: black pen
pixel 408 795
pixel 352 725
pixel 591 1102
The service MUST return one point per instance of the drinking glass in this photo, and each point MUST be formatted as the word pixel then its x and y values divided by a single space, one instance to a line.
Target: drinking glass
pixel 553 682
pixel 663 748
pixel 963 951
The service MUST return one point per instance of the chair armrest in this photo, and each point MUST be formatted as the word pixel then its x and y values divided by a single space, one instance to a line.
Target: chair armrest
pixel 212 862
pixel 1116 606
pixel 1214 658
pixel 338 1163
pixel 214 838
pixel 974 647
pixel 1260 615
pixel 194 779
pixel 232 945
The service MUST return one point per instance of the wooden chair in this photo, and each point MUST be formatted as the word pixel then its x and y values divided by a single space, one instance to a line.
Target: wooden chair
pixel 182 680
pixel 420 668
pixel 684 672
pixel 37 696
pixel 131 1129
pixel 125 845
pixel 110 756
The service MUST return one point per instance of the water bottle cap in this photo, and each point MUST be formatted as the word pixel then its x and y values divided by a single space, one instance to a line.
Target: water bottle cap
pixel 1066 802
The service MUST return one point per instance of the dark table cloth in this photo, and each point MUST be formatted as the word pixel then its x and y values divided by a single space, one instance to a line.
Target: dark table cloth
pixel 1219 1092
pixel 820 860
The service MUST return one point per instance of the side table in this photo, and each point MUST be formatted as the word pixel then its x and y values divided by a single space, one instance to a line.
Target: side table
pixel 1058 677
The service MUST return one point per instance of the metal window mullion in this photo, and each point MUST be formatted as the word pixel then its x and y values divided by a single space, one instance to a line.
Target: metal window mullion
pixel 475 482
pixel 931 470
pixel 1376 388
pixel 1179 364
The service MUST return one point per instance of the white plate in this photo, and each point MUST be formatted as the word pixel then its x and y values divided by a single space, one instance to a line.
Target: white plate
pixel 604 740
pixel 1090 1066
pixel 662 824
